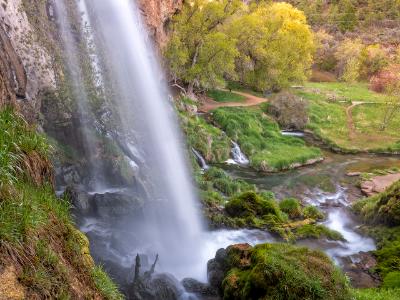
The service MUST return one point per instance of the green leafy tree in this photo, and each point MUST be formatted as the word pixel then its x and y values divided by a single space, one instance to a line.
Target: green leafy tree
pixel 275 44
pixel 200 53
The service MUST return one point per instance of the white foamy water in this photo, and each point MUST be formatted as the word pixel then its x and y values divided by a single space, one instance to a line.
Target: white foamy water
pixel 238 157
pixel 339 218
pixel 172 226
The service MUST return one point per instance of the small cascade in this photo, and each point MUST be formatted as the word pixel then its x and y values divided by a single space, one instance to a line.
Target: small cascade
pixel 292 133
pixel 200 159
pixel 238 157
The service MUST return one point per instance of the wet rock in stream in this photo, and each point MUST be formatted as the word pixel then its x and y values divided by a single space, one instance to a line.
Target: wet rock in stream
pixel 358 268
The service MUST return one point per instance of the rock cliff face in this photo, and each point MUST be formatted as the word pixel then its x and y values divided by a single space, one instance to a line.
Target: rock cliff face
pixel 157 15
pixel 27 63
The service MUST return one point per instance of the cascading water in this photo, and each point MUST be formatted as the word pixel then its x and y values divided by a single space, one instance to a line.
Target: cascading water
pixel 238 157
pixel 200 159
pixel 78 89
pixel 171 226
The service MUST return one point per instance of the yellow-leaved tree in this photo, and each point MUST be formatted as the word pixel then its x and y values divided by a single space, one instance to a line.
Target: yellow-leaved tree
pixel 276 46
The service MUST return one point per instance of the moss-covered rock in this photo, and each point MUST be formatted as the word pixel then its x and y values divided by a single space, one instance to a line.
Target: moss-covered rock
pixel 383 208
pixel 276 271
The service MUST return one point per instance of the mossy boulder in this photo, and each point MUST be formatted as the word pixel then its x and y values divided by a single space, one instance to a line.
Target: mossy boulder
pixel 251 204
pixel 276 271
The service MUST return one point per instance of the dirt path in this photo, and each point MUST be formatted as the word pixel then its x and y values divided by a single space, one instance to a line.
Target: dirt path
pixel 350 121
pixel 250 100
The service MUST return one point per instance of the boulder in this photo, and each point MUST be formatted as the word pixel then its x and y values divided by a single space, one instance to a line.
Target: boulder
pixel 199 288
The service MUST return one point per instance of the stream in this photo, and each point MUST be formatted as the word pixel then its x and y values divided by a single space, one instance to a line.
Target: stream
pixel 327 186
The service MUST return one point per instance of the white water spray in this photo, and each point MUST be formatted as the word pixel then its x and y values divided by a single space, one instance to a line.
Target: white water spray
pixel 172 226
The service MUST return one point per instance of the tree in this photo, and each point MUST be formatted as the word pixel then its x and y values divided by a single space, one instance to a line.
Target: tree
pixel 275 45
pixel 200 53
pixel 347 17
pixel 348 55
pixel 392 105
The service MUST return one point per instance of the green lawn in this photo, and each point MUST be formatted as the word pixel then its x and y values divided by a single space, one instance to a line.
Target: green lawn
pixel 225 96
pixel 261 140
pixel 346 91
pixel 236 86
pixel 327 109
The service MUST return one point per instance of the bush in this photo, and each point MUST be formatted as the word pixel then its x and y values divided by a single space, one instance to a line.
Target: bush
pixel 289 110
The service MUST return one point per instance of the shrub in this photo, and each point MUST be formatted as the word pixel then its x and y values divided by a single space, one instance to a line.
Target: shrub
pixel 289 110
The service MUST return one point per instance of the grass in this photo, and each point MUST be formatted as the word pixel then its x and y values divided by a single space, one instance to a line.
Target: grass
pixel 261 140
pixel 210 141
pixel 225 96
pixel 37 234
pixel 237 86
pixel 103 283
pixel 376 294
pixel 328 119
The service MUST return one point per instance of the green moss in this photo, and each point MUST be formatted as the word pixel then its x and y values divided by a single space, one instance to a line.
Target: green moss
pixel 251 204
pixel 261 140
pixel 317 231
pixel 291 206
pixel 313 212
pixel 282 271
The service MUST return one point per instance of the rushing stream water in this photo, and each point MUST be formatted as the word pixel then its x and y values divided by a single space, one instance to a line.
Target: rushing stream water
pixel 327 186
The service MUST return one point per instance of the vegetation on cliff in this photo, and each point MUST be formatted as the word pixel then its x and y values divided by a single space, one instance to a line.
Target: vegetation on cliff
pixel 40 247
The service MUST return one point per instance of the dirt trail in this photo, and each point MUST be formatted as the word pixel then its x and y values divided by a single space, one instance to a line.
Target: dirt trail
pixel 250 100
pixel 350 121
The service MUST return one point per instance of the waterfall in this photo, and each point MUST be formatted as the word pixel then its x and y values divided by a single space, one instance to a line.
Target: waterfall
pixel 79 91
pixel 237 155
pixel 172 225
pixel 200 159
